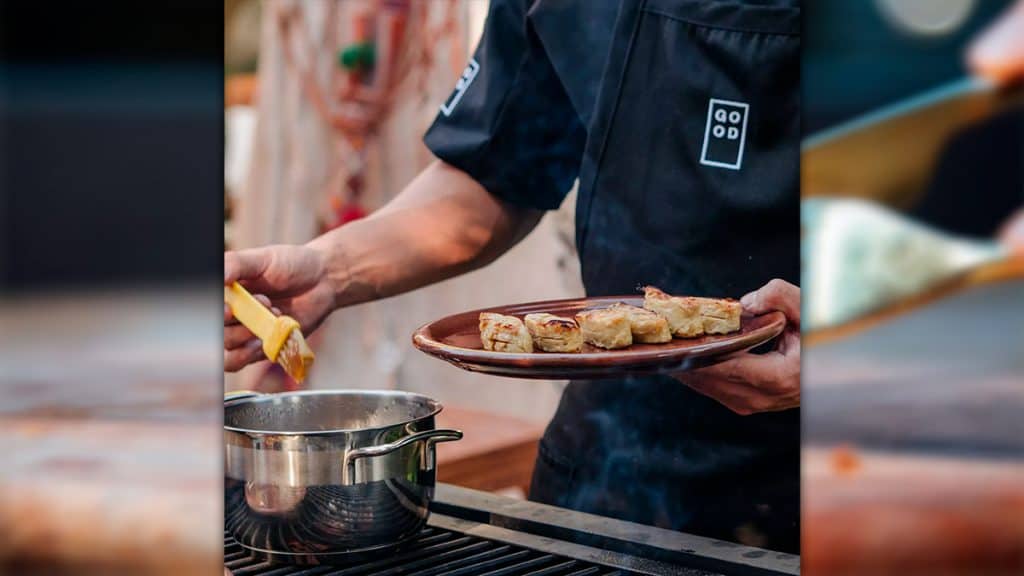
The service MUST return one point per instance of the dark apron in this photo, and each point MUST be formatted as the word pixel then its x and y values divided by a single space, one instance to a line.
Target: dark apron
pixel 690 181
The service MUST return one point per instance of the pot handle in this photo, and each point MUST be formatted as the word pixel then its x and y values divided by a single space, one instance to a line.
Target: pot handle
pixel 428 436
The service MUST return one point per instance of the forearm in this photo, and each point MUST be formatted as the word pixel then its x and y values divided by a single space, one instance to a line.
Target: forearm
pixel 441 225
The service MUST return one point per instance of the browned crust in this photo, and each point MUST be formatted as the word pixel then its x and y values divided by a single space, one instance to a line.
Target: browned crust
pixel 690 316
pixel 550 325
pixel 502 333
pixel 553 333
pixel 605 327
pixel 725 308
pixel 655 293
pixel 648 327
pixel 682 313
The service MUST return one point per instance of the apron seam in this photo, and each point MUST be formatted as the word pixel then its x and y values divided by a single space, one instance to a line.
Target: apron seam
pixel 545 451
pixel 559 465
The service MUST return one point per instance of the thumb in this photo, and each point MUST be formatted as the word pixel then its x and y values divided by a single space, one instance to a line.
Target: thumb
pixel 775 295
pixel 245 264
pixel 1012 233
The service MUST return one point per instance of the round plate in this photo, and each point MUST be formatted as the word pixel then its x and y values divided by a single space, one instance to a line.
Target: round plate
pixel 456 339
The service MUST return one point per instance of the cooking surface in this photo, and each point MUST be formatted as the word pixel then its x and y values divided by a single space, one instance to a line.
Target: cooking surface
pixel 112 404
pixel 435 551
pixel 471 532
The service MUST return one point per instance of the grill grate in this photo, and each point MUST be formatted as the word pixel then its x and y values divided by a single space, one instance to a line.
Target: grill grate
pixel 434 552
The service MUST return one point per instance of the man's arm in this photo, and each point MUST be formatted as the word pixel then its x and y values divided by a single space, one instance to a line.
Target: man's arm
pixel 441 225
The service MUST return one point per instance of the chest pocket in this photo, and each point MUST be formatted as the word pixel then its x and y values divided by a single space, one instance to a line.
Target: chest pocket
pixel 697 151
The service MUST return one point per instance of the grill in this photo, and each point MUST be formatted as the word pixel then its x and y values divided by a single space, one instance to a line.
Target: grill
pixel 475 533
pixel 434 551
pixel 344 509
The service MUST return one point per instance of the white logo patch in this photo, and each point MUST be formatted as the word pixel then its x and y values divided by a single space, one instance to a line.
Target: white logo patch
pixel 724 134
pixel 468 75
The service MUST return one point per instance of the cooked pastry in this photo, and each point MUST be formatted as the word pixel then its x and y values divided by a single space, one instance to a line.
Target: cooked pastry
pixel 554 333
pixel 502 333
pixel 606 328
pixel 683 314
pixel 647 327
pixel 720 315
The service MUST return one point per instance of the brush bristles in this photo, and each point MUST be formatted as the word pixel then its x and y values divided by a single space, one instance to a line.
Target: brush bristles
pixel 295 356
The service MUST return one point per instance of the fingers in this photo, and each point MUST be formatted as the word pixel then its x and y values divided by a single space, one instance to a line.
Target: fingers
pixel 775 295
pixel 998 53
pixel 743 400
pixel 1012 233
pixel 239 358
pixel 245 264
pixel 238 336
pixel 736 397
pixel 746 385
pixel 772 371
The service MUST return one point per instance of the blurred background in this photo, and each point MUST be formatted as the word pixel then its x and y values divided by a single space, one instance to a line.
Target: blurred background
pixel 913 178
pixel 110 257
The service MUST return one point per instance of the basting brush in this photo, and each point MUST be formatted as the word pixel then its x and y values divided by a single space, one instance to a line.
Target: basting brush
pixel 282 339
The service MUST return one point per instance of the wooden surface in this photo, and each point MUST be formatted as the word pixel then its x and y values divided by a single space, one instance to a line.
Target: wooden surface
pixel 111 403
pixel 495 453
pixel 108 496
pixel 896 514
pixel 931 405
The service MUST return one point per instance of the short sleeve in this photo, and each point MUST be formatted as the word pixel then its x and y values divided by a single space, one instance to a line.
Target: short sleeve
pixel 509 122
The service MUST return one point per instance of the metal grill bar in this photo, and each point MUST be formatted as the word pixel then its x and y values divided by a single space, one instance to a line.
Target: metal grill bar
pixel 436 552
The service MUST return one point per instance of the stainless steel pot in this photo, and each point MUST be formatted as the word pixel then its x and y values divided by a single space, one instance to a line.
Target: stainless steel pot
pixel 316 475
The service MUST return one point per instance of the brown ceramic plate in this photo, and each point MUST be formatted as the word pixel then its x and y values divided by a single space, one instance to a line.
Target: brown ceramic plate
pixel 456 339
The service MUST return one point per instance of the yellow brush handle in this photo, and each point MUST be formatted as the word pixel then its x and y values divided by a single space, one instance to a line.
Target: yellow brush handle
pixel 272 330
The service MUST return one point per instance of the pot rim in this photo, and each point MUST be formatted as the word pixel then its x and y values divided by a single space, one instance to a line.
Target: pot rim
pixel 435 405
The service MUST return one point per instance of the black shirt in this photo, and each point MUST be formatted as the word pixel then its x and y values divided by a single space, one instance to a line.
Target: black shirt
pixel 680 119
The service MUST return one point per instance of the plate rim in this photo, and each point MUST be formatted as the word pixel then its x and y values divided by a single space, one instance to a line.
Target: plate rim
pixel 426 343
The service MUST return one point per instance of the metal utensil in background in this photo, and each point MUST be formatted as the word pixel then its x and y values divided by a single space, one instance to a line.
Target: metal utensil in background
pixel 863 263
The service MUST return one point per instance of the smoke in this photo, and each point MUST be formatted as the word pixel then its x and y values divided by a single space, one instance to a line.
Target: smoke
pixel 650 450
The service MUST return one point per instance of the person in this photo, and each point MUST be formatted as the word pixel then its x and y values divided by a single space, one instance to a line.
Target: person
pixel 997 54
pixel 681 122
pixel 984 156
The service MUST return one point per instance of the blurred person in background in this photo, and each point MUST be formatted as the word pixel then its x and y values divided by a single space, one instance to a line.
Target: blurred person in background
pixel 682 123
pixel 998 54
pixel 985 157
pixel 873 55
